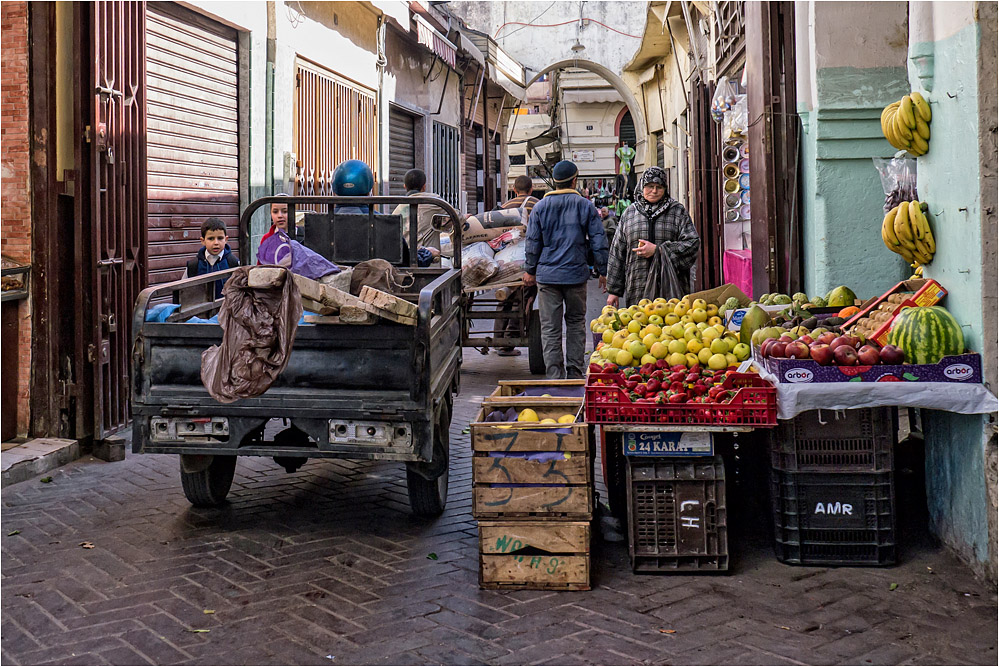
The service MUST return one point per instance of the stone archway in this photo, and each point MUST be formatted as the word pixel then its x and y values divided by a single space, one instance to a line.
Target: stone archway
pixel 630 101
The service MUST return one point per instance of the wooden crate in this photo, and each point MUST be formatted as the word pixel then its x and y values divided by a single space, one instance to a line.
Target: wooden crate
pixel 557 478
pixel 557 558
pixel 505 394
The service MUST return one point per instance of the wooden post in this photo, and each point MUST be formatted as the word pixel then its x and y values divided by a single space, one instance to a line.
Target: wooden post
pixel 773 147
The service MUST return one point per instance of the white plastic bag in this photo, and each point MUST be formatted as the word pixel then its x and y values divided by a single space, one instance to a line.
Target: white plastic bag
pixel 723 99
pixel 477 264
pixel 480 249
pixel 515 252
pixel 736 120
pixel 507 238
pixel 898 180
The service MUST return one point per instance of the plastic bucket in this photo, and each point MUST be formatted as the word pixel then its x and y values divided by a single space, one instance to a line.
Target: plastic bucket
pixel 744 181
pixel 744 165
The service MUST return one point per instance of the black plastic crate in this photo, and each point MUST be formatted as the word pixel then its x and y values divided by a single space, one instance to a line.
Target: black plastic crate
pixel 659 564
pixel 836 441
pixel 677 514
pixel 834 518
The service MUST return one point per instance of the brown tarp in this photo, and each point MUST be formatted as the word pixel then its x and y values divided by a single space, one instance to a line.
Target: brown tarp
pixel 258 329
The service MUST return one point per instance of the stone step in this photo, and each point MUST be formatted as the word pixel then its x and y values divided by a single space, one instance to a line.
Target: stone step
pixel 36 457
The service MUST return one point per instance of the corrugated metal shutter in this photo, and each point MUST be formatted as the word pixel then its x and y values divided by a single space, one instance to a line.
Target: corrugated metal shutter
pixel 192 135
pixel 402 149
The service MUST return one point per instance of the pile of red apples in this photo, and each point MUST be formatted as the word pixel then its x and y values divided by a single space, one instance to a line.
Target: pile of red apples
pixel 830 349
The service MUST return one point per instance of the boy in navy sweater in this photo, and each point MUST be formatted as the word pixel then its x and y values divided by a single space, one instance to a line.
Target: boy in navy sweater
pixel 215 254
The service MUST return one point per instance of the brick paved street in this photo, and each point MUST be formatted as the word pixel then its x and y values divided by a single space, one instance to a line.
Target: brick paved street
pixel 326 566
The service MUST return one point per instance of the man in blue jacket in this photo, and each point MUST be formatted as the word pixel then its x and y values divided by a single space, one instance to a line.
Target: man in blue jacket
pixel 563 226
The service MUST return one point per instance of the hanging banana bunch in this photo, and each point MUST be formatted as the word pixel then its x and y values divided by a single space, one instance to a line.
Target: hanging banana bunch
pixel 906 230
pixel 906 124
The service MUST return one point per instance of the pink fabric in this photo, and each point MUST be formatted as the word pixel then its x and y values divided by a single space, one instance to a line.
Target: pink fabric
pixel 737 267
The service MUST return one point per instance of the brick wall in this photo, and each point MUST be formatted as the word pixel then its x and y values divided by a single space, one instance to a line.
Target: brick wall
pixel 15 215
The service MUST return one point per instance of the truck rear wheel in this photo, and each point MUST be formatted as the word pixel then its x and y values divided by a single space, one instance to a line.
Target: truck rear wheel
pixel 427 497
pixel 535 351
pixel 206 485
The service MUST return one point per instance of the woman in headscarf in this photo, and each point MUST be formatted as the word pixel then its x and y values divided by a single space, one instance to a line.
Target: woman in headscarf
pixel 655 220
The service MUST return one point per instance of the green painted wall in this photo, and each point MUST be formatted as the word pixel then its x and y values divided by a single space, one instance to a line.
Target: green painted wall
pixel 842 197
pixel 949 179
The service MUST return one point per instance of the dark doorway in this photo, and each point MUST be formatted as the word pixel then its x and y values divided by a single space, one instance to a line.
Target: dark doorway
pixel 626 132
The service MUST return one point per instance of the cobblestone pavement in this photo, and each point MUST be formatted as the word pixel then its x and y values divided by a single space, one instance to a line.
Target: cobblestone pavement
pixel 327 566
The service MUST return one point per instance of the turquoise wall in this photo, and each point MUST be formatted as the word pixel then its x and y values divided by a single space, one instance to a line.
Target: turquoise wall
pixel 949 180
pixel 843 200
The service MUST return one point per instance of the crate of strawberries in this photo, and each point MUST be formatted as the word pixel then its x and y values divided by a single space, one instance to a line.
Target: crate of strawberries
pixel 677 395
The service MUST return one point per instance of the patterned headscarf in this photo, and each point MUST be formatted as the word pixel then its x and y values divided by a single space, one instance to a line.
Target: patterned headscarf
pixel 648 209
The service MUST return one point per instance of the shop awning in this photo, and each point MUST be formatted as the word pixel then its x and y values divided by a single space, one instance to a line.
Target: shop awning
pixel 470 49
pixel 502 68
pixel 515 90
pixel 428 36
pixel 592 95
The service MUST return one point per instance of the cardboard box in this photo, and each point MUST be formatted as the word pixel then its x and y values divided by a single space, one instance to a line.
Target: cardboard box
pixel 961 368
pixel 721 294
pixel 734 318
pixel 926 293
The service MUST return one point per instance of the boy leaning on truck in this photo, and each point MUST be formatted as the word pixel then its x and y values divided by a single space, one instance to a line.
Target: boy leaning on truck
pixel 214 255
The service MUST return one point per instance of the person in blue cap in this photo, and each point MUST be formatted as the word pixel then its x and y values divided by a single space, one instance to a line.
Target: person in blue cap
pixel 561 230
pixel 353 178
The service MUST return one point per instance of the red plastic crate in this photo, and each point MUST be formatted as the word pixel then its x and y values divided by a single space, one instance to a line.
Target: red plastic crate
pixel 754 404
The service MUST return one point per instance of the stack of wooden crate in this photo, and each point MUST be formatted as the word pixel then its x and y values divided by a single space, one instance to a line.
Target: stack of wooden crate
pixel 533 489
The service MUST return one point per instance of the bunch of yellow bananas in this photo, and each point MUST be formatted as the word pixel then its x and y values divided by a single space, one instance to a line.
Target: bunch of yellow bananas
pixel 906 124
pixel 906 230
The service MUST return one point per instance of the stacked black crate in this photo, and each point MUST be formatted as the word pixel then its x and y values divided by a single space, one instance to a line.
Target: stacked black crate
pixel 832 487
pixel 676 502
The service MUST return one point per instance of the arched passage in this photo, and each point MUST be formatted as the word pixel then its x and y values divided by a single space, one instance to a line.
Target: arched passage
pixel 641 142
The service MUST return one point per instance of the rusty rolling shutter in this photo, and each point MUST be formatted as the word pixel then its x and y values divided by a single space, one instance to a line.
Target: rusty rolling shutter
pixel 335 120
pixel 402 149
pixel 193 148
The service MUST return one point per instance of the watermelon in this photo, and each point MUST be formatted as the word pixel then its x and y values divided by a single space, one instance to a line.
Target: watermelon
pixel 926 335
